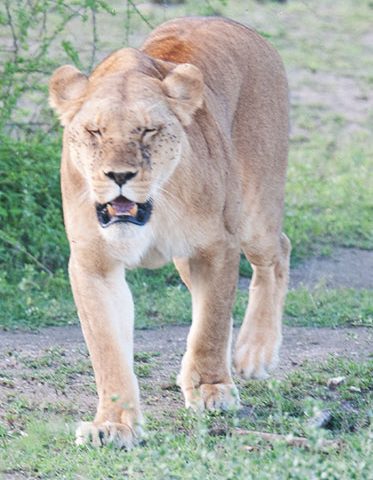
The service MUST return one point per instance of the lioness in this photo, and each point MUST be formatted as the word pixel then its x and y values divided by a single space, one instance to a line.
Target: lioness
pixel 176 151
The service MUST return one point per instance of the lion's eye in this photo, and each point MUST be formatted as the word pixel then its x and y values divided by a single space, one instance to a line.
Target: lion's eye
pixel 148 133
pixel 95 132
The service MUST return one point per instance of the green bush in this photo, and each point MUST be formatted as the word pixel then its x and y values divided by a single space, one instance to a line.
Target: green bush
pixel 31 219
pixel 34 31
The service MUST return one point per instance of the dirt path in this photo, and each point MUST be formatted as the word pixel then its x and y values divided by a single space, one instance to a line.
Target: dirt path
pixel 51 368
pixel 345 267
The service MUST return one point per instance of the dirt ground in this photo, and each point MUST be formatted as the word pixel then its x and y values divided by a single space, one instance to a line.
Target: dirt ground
pixel 52 367
pixel 345 267
pixel 164 346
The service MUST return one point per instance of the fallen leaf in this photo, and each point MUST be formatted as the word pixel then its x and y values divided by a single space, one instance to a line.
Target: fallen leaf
pixel 335 382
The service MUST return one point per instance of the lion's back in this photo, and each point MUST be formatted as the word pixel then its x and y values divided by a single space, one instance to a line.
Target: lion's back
pixel 240 67
pixel 226 51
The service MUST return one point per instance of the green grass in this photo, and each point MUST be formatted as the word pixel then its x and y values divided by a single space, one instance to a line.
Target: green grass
pixel 323 307
pixel 161 299
pixel 36 300
pixel 329 201
pixel 53 368
pixel 183 446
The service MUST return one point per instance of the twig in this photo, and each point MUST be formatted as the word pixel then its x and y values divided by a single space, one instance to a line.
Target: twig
pixel 14 35
pixel 143 18
pixel 32 70
pixel 19 247
pixel 49 39
pixel 290 440
pixel 312 10
pixel 25 124
pixel 94 38
pixel 43 27
pixel 128 21
pixel 68 7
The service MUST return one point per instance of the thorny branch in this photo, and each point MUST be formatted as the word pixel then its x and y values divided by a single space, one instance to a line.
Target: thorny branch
pixel 11 25
pixel 17 246
pixel 290 440
pixel 143 18
pixel 94 38
pixel 37 63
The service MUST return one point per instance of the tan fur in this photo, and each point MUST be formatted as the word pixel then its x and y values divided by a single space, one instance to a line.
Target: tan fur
pixel 212 95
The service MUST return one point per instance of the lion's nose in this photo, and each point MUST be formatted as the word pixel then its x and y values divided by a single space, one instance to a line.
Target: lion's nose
pixel 120 178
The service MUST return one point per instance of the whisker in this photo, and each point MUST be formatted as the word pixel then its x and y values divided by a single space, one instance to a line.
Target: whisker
pixel 169 208
pixel 167 192
pixel 153 107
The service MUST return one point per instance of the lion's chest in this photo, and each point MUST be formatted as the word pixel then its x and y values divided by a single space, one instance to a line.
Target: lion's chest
pixel 168 243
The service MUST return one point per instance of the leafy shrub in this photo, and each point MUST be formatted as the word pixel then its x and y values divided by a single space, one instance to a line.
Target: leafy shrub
pixel 30 205
pixel 38 299
pixel 33 34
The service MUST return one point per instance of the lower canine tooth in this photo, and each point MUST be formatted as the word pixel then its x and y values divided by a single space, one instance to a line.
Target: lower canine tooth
pixel 111 210
pixel 133 211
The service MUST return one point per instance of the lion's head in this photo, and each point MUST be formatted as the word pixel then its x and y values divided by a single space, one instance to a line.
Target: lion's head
pixel 124 128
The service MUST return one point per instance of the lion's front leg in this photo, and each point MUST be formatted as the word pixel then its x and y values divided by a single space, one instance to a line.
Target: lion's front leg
pixel 205 376
pixel 105 310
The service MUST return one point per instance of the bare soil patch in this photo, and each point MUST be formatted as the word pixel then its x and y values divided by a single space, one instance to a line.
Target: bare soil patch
pixel 345 267
pixel 345 96
pixel 51 368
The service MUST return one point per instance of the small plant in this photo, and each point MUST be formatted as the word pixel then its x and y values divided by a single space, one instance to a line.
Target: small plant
pixel 35 30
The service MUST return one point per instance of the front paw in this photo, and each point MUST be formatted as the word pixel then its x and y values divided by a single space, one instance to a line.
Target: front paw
pixel 98 434
pixel 256 356
pixel 216 396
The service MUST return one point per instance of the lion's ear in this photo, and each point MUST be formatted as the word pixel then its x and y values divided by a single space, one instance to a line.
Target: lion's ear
pixel 66 88
pixel 184 89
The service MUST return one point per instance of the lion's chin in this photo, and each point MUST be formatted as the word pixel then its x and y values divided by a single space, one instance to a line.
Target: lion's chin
pixel 123 210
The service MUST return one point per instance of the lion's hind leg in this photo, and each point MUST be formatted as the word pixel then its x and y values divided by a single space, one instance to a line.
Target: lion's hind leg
pixel 259 339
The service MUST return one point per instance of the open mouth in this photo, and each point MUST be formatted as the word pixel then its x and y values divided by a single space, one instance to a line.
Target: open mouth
pixel 123 210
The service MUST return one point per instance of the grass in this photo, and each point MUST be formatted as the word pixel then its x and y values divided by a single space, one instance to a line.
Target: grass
pixel 53 368
pixel 329 308
pixel 183 446
pixel 161 299
pixel 328 194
